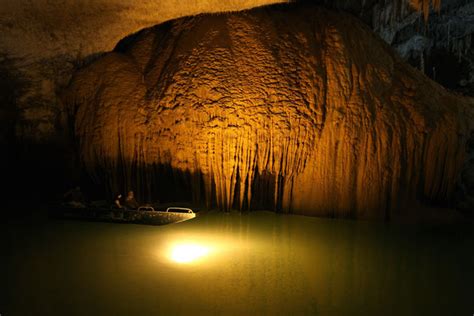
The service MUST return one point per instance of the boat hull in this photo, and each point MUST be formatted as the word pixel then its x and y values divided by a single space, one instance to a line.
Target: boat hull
pixel 122 216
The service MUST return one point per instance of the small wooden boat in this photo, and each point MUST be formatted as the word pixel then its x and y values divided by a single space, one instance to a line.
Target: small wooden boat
pixel 146 215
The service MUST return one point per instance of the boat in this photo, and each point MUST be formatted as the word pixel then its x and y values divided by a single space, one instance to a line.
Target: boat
pixel 146 215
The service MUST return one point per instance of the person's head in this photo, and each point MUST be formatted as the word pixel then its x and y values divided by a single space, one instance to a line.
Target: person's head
pixel 130 194
pixel 118 196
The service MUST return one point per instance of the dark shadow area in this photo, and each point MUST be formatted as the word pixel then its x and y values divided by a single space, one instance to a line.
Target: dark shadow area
pixel 31 172
pixel 264 189
pixel 42 172
pixel 12 84
pixel 361 9
pixel 152 183
pixel 165 184
pixel 449 70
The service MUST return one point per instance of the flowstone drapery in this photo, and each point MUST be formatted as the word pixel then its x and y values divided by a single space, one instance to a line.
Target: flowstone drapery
pixel 289 107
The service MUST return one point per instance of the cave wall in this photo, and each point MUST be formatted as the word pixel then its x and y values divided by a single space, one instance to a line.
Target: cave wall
pixel 46 41
pixel 441 46
pixel 283 103
pixel 436 41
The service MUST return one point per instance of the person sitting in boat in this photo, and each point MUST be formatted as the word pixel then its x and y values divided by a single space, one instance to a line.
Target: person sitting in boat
pixel 130 201
pixel 117 204
pixel 75 198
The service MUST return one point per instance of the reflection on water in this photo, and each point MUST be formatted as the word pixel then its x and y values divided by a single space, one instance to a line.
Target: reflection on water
pixel 188 252
pixel 253 264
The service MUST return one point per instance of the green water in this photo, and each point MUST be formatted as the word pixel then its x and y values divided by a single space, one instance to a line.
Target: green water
pixel 257 264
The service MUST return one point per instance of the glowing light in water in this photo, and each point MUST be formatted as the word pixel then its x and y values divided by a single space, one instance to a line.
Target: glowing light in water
pixel 186 253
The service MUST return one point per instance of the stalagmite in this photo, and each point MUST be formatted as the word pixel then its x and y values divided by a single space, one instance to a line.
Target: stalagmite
pixel 293 108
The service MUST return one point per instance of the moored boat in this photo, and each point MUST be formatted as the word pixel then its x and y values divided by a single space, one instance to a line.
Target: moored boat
pixel 146 215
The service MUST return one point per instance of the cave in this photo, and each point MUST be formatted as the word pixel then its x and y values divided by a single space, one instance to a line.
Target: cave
pixel 237 158
pixel 257 111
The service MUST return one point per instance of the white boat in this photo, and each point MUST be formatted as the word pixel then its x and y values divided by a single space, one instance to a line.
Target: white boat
pixel 146 214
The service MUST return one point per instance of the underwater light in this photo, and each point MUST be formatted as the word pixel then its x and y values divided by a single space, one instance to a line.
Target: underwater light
pixel 186 253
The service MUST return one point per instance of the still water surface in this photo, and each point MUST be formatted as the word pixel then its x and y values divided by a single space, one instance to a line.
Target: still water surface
pixel 251 264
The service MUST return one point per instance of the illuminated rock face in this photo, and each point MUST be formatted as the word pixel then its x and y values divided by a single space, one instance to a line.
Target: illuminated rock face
pixel 293 108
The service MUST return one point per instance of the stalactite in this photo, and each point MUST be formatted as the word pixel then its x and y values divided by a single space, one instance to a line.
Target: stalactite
pixel 282 106
pixel 389 16
pixel 422 62
pixel 425 6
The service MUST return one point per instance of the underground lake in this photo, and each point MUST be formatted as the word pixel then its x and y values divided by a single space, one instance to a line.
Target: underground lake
pixel 256 263
pixel 327 148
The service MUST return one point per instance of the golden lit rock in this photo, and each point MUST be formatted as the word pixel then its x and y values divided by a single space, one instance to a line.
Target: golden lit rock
pixel 299 107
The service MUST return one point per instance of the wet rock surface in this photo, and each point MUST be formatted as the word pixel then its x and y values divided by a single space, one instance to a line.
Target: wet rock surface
pixel 280 105
pixel 48 40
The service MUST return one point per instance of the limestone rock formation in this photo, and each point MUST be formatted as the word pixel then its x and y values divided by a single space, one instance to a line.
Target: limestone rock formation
pixel 294 108
pixel 47 40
